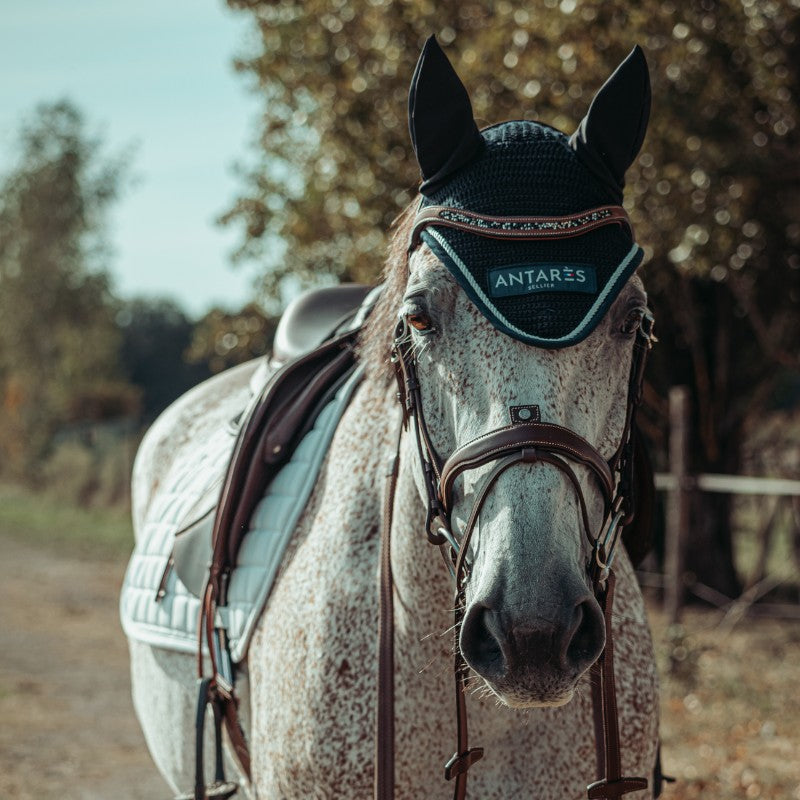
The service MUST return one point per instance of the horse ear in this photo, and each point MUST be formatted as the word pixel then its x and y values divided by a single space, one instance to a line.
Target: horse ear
pixel 443 132
pixel 610 135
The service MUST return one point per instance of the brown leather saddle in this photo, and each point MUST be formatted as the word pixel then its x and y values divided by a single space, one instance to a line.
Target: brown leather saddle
pixel 312 352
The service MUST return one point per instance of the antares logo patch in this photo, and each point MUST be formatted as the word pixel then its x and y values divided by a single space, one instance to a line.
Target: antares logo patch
pixel 527 278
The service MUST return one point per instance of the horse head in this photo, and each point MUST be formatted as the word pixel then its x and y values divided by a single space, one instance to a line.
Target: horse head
pixel 517 303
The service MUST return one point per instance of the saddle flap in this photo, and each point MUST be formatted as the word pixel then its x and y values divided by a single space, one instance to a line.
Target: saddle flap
pixel 272 428
pixel 192 551
pixel 288 405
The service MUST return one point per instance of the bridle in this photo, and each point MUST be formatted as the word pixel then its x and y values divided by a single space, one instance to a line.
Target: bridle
pixel 526 440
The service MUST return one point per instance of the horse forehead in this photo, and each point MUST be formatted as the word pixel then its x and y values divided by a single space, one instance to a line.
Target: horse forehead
pixel 429 276
pixel 473 347
pixel 476 345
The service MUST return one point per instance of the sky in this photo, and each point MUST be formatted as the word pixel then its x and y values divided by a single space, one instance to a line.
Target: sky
pixel 158 76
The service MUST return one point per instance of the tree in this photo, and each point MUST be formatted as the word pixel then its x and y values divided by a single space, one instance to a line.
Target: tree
pixel 58 341
pixel 156 335
pixel 221 340
pixel 712 194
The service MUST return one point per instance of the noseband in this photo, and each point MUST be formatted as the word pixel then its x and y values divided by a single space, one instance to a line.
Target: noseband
pixel 526 440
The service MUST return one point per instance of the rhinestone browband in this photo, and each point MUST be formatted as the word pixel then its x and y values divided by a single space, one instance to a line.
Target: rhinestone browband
pixel 517 227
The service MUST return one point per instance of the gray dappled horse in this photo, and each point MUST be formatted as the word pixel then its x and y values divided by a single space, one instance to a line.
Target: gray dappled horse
pixel 545 325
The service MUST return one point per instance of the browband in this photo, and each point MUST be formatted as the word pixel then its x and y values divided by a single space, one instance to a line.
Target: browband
pixel 517 227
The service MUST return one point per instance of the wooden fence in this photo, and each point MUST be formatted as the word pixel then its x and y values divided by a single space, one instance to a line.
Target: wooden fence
pixel 679 484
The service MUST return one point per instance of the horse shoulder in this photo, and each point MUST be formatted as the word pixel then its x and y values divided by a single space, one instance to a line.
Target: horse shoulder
pixel 314 644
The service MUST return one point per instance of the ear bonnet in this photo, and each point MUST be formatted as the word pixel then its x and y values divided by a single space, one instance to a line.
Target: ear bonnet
pixel 527 219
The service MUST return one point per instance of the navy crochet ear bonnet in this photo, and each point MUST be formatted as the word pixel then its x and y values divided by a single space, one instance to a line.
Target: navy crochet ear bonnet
pixel 552 290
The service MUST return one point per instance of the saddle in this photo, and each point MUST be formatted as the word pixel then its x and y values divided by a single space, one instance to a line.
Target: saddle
pixel 313 355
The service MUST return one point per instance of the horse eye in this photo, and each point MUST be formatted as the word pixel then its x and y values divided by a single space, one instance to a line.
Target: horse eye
pixel 419 321
pixel 632 322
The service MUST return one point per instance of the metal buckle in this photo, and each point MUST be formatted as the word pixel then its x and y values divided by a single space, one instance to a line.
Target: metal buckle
pixel 598 567
pixel 461 762
pixel 434 523
pixel 605 546
pixel 448 535
pixel 646 328
pixel 224 676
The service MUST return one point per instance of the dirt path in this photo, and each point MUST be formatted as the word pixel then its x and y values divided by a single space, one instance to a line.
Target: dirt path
pixel 730 710
pixel 68 729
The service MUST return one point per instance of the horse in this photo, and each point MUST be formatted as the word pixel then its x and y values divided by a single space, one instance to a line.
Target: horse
pixel 531 626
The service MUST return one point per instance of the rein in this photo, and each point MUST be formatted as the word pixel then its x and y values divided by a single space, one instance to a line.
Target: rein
pixel 525 440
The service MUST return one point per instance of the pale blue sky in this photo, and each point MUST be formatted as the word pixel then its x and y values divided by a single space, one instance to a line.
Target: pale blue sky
pixel 158 74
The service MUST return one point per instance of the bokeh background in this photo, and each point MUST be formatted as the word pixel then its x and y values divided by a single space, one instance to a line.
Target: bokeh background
pixel 172 174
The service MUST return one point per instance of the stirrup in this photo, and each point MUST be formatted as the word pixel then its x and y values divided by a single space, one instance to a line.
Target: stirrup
pixel 221 789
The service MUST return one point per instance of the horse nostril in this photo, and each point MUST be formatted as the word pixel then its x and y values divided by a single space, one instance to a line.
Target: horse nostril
pixel 570 645
pixel 481 641
pixel 588 635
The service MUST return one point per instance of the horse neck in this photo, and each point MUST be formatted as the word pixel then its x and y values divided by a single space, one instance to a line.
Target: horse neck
pixel 422 584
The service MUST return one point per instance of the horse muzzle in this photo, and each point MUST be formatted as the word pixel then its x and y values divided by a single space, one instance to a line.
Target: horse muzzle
pixel 530 659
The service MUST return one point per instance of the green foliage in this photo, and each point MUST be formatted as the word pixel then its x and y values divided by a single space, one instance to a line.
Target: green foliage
pixel 221 340
pixel 712 194
pixel 156 335
pixel 58 341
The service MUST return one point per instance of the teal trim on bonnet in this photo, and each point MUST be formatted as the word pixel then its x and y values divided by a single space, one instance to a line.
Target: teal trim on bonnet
pixel 445 253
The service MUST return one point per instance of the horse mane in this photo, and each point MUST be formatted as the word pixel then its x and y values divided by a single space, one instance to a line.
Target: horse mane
pixel 375 342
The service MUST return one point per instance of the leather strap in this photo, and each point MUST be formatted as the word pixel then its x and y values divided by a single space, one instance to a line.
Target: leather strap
pixel 612 784
pixel 493 445
pixel 384 720
pixel 526 228
pixel 529 442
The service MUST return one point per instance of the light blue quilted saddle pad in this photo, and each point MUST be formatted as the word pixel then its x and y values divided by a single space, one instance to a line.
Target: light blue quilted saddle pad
pixel 171 620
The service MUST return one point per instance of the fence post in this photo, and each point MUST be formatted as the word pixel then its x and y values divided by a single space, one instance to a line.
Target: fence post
pixel 677 527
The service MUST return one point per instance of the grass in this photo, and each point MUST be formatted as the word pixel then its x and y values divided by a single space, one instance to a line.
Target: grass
pixel 42 520
pixel 748 517
pixel 729 712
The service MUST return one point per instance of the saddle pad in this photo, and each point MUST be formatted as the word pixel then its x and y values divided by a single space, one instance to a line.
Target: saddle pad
pixel 171 621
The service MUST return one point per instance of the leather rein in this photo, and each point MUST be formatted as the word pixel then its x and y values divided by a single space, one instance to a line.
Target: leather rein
pixel 525 440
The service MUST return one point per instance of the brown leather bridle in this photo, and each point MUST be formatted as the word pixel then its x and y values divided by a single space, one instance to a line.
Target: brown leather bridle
pixel 522 441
